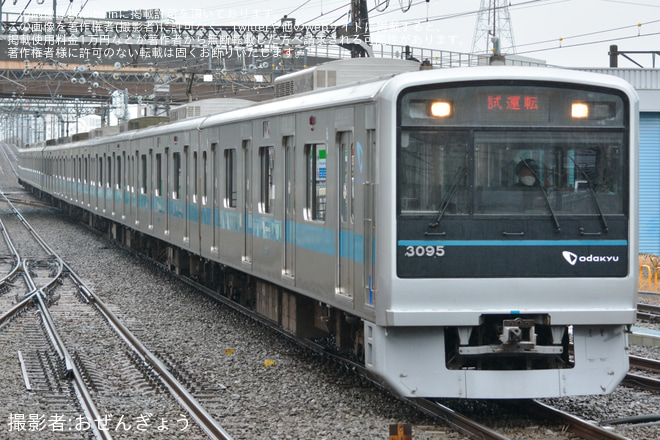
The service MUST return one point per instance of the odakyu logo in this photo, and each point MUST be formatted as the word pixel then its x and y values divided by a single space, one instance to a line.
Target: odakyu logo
pixel 573 258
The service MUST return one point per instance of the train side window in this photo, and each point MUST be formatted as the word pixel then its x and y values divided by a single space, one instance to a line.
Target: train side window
pixel 143 180
pixel 315 157
pixel 231 178
pixel 99 176
pixel 159 175
pixel 195 181
pixel 205 171
pixel 267 169
pixel 109 173
pixel 176 181
pixel 118 183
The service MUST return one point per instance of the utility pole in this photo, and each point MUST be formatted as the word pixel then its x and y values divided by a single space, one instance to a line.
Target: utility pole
pixel 355 35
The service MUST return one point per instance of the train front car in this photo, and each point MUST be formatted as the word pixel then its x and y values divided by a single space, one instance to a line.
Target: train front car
pixel 506 236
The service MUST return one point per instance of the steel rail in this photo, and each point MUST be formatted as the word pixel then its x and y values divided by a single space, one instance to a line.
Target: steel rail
pixel 642 363
pixel 577 426
pixel 25 302
pixel 462 423
pixel 642 382
pixel 72 372
pixel 205 421
pixel 14 252
pixel 648 312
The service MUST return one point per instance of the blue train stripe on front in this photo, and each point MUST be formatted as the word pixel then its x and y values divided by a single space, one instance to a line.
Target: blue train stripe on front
pixel 514 243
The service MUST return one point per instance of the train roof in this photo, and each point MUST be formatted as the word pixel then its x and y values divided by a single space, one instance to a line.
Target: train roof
pixel 365 91
pixel 494 73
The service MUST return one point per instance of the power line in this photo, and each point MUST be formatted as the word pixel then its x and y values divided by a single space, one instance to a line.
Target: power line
pixel 591 33
pixel 589 43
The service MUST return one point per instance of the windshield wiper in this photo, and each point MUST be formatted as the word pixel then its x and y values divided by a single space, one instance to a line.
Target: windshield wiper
pixel 544 192
pixel 449 195
pixel 593 196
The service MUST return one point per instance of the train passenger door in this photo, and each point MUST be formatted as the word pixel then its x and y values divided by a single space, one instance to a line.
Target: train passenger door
pixel 346 233
pixel 247 205
pixel 289 207
pixel 369 221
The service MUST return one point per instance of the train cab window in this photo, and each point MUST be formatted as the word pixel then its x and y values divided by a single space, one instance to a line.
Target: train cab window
pixel 231 180
pixel 267 171
pixel 432 172
pixel 315 205
pixel 536 172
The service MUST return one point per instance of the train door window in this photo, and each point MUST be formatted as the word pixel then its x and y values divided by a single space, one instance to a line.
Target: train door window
pixel 205 175
pixel 347 175
pixel 267 171
pixel 143 171
pixel 176 178
pixel 230 178
pixel 86 171
pixel 195 182
pixel 159 175
pixel 315 156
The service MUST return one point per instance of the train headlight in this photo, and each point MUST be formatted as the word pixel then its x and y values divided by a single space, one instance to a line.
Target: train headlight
pixel 579 110
pixel 441 109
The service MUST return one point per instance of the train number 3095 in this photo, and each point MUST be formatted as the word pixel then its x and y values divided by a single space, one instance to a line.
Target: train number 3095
pixel 425 251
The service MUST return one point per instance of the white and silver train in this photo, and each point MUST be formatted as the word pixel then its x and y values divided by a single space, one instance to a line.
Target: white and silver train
pixel 398 216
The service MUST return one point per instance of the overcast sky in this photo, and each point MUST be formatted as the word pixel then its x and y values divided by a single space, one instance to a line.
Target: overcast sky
pixel 573 33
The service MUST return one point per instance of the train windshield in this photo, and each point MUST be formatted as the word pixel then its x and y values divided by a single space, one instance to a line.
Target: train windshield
pixel 511 151
pixel 530 173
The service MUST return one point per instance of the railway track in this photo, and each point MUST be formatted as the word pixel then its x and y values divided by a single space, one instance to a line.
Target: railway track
pixel 648 313
pixel 79 362
pixel 644 382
